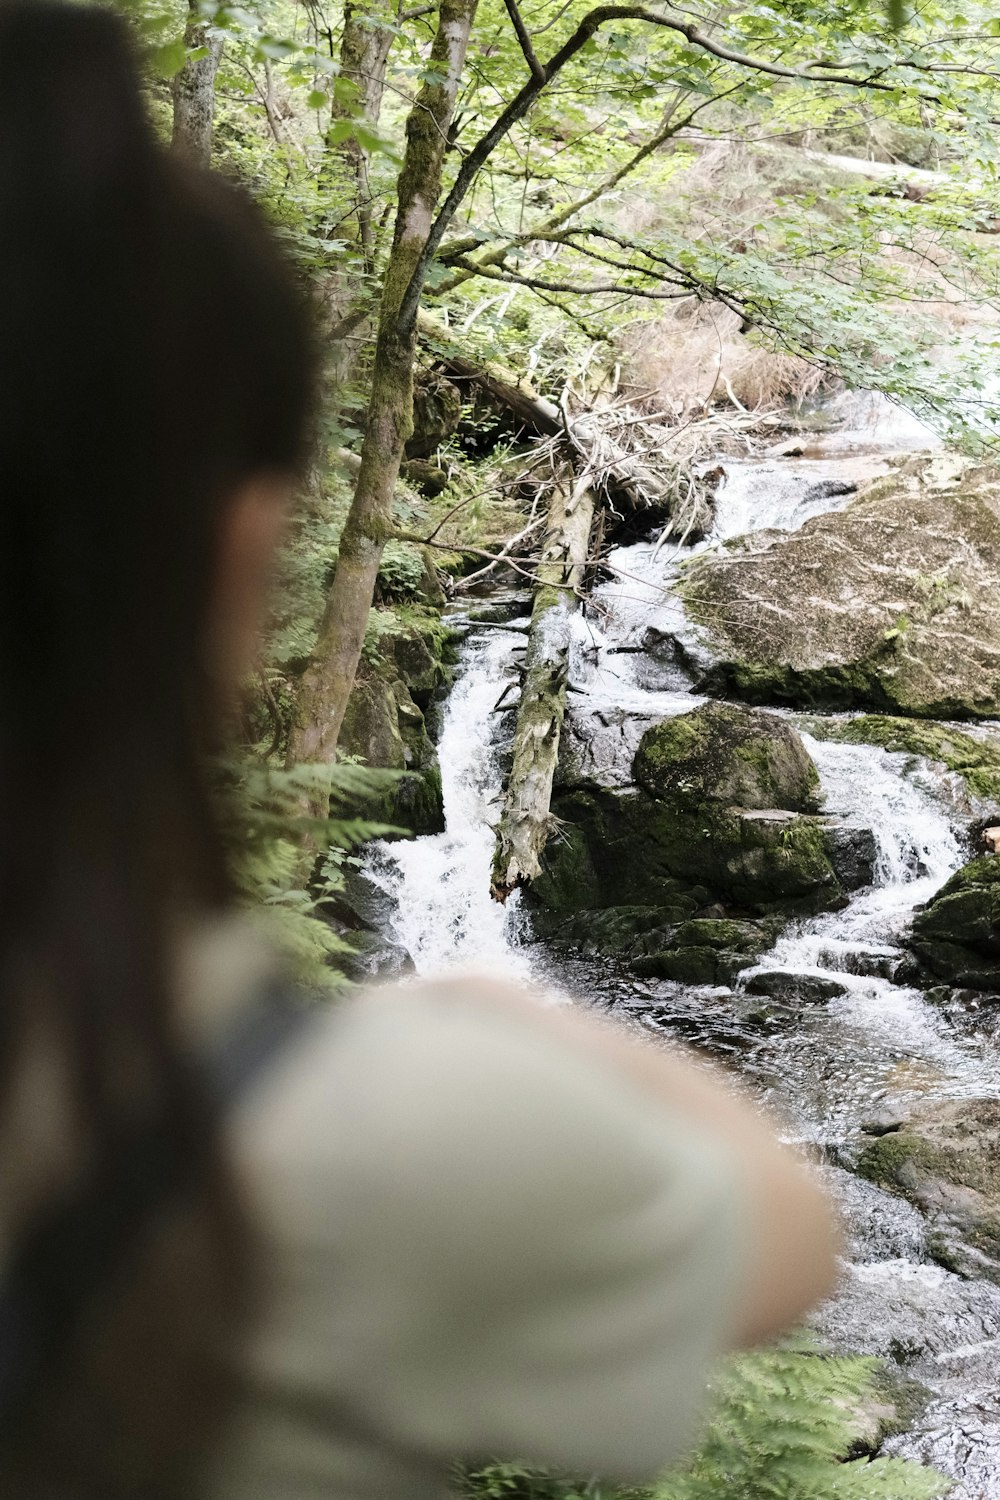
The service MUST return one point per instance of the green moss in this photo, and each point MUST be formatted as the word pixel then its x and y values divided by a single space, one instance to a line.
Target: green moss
pixel 889 1160
pixel 957 935
pixel 728 756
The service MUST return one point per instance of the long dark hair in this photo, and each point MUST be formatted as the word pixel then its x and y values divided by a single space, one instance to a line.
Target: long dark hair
pixel 154 354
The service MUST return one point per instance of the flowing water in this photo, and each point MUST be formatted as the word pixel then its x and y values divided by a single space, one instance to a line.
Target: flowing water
pixel 875 1047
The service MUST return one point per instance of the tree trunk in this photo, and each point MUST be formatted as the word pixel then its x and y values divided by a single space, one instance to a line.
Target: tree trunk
pixel 526 824
pixel 369 31
pixel 328 682
pixel 193 90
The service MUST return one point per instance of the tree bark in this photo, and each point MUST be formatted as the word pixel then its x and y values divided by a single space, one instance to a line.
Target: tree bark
pixel 193 90
pixel 328 682
pixel 366 42
pixel 526 824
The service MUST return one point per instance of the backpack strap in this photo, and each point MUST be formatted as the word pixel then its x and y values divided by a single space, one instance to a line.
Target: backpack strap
pixel 78 1244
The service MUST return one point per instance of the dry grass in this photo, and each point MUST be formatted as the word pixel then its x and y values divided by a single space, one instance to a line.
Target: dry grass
pixel 696 358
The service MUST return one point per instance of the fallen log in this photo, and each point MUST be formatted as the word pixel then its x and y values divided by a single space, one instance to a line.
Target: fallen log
pixel 682 509
pixel 526 822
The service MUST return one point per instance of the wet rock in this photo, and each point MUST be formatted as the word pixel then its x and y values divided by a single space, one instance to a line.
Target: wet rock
pixel 853 852
pixel 657 941
pixel 728 756
pixel 707 951
pixel 599 745
pixel 568 882
pixel 956 937
pixel 946 1160
pixel 500 608
pixel 646 852
pixel 886 1123
pixel 386 722
pixel 892 603
pixel 829 489
pixel 800 989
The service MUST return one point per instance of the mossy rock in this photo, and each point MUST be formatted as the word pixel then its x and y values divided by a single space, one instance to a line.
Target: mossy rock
pixel 727 756
pixel 946 1161
pixel 708 951
pixel 643 852
pixel 405 669
pixel 892 603
pixel 956 937
pixel 568 881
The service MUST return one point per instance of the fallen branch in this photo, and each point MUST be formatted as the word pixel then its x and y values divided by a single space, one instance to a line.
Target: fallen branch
pixel 526 822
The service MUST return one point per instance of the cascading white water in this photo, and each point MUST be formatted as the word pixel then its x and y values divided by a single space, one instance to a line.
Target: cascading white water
pixel 913 832
pixel 826 1064
pixel 439 885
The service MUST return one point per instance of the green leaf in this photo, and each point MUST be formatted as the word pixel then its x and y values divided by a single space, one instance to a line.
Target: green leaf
pixel 168 60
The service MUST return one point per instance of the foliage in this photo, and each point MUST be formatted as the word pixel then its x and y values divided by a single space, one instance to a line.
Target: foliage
pixel 265 828
pixel 783 1424
pixel 401 571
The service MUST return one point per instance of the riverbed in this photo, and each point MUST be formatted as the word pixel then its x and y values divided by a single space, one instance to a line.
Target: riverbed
pixel 826 1069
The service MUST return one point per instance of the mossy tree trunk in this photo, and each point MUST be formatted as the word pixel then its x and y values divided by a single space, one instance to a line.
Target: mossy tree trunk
pixel 193 90
pixel 328 682
pixel 526 823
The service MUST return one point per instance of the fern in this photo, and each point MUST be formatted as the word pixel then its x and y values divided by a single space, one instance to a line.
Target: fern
pixel 783 1425
pixel 265 825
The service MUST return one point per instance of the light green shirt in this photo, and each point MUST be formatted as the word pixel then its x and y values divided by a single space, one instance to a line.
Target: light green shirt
pixel 482 1244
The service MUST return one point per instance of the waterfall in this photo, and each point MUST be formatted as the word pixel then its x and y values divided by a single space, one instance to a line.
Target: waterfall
pixel 442 913
pixel 828 1063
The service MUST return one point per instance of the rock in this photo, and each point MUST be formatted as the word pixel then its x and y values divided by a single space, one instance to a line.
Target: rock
pixel 437 411
pixel 727 756
pixel 829 489
pixel 802 989
pixel 946 1160
pixel 647 852
pixel 886 1123
pixel 723 806
pixel 568 882
pixel 853 852
pixel 892 603
pixel 707 951
pixel 425 475
pixel 991 838
pixel 956 937
pixel 501 608
pixel 658 942
pixel 386 719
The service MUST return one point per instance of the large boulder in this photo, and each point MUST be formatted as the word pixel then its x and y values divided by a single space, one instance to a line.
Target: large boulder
pixel 726 756
pixel 892 603
pixel 946 1160
pixel 723 813
pixel 404 670
pixel 956 937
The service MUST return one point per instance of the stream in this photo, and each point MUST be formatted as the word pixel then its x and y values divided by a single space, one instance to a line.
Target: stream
pixel 825 1068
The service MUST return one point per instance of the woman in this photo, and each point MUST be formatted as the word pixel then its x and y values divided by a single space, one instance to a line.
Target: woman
pixel 433 1222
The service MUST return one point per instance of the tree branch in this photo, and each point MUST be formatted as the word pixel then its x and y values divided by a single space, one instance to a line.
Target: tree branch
pixel 524 37
pixel 523 100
